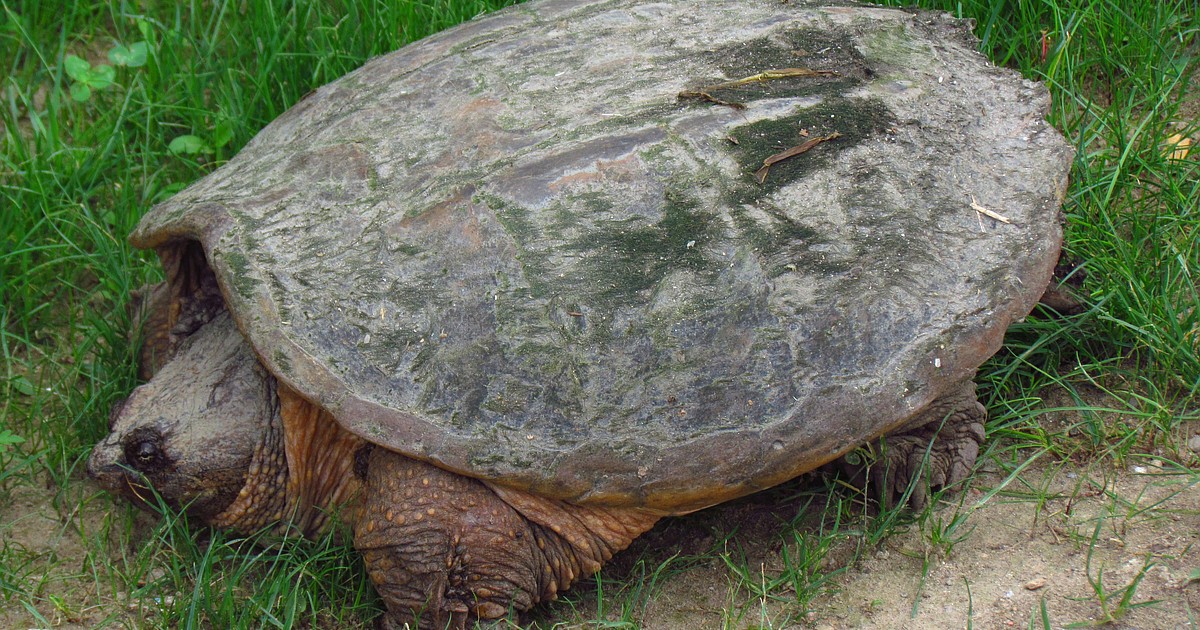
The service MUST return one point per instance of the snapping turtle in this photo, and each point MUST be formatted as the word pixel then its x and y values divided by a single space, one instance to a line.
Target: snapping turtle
pixel 503 298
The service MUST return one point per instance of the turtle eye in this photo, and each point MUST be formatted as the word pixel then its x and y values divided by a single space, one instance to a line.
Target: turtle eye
pixel 145 454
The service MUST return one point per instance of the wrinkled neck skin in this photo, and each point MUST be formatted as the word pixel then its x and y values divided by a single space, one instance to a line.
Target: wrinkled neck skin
pixel 301 475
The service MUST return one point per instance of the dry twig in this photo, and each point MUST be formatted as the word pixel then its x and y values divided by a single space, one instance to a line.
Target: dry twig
pixel 761 174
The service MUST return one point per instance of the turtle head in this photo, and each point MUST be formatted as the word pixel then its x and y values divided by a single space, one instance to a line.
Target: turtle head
pixel 191 433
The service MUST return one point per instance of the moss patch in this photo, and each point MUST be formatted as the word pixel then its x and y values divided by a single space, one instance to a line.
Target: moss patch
pixel 620 258
pixel 856 119
pixel 802 48
pixel 625 260
pixel 896 47
pixel 243 283
pixel 282 362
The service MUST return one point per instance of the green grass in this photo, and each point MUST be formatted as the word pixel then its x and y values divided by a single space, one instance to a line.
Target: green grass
pixel 76 175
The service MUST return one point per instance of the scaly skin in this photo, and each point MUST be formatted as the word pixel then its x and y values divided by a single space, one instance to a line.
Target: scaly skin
pixel 300 475
pixel 442 548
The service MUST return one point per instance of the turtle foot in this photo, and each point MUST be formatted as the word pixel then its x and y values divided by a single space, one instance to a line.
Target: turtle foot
pixel 937 449
pixel 442 548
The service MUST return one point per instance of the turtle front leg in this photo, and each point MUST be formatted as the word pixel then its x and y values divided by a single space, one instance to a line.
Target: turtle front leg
pixel 936 449
pixel 442 548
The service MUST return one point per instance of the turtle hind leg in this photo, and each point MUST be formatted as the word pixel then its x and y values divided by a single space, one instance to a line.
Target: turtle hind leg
pixel 443 548
pixel 936 449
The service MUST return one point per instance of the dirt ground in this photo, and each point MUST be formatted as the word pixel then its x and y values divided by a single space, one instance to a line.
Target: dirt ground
pixel 1029 552
pixel 1019 561
pixel 1014 564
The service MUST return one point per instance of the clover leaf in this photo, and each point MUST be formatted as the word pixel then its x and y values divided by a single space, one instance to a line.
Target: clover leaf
pixel 133 56
pixel 188 144
pixel 87 78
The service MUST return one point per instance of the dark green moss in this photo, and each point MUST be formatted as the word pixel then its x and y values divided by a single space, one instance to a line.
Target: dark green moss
pixel 528 236
pixel 595 202
pixel 566 213
pixel 814 49
pixel 282 362
pixel 782 244
pixel 885 226
pixel 407 249
pixel 545 354
pixel 855 119
pixel 513 217
pixel 512 402
pixel 769 238
pixel 283 303
pixel 415 297
pixel 786 50
pixel 625 259
pixel 619 259
pixel 387 348
pixel 243 283
pixel 172 213
pixel 471 394
pixel 423 357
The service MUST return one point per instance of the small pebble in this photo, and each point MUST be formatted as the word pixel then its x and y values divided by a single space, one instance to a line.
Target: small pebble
pixel 1194 443
pixel 1035 584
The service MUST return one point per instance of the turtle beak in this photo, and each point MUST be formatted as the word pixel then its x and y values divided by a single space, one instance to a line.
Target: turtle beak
pixel 106 467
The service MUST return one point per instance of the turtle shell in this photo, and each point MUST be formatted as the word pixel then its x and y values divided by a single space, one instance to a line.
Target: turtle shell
pixel 655 254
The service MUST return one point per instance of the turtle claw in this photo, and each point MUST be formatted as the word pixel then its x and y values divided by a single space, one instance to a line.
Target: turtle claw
pixel 938 455
pixel 935 451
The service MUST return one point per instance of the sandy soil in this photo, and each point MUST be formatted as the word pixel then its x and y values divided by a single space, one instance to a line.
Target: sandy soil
pixel 1019 559
pixel 1016 557
pixel 43 539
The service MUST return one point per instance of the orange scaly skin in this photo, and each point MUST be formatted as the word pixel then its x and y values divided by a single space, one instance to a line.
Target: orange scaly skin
pixel 301 473
pixel 320 463
pixel 442 547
